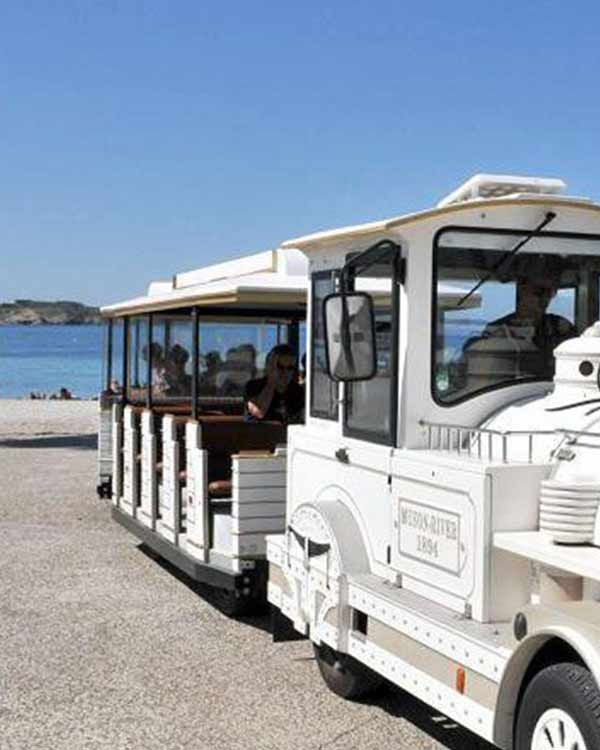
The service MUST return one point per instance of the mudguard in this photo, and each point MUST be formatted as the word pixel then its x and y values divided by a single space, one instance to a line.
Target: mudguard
pixel 575 623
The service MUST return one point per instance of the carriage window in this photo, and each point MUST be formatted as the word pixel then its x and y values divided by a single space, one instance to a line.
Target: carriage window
pixel 498 317
pixel 370 410
pixel 117 354
pixel 137 354
pixel 232 353
pixel 323 390
pixel 172 342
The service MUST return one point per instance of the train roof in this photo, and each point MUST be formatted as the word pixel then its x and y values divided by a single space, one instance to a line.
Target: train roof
pixel 269 281
pixel 479 190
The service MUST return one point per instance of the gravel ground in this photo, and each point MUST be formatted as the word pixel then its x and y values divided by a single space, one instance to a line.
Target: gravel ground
pixel 102 646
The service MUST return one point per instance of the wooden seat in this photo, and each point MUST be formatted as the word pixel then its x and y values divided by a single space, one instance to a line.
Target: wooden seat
pixel 220 488
pixel 208 406
pixel 224 438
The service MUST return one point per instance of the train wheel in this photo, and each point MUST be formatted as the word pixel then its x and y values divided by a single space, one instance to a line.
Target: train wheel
pixel 344 675
pixel 560 710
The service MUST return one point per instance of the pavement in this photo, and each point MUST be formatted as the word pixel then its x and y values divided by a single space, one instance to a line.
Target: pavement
pixel 104 646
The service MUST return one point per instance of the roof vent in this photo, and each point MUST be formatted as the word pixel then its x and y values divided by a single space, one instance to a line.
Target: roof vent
pixel 487 186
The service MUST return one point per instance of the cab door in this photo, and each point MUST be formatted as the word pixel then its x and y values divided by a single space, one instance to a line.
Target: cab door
pixel 370 407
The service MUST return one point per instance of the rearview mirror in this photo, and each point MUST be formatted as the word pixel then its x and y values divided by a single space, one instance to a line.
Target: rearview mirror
pixel 350 336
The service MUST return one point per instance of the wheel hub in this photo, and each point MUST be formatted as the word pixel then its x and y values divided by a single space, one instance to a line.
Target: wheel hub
pixel 556 730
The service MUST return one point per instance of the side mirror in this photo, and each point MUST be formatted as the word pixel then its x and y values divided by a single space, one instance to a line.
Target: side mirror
pixel 350 336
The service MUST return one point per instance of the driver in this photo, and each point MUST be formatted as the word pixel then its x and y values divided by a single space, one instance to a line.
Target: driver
pixel 277 396
pixel 530 329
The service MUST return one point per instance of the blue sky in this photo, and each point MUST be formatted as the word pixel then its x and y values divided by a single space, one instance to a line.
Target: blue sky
pixel 141 138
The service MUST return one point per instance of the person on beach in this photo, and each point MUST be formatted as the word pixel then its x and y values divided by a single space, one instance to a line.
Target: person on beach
pixel 277 396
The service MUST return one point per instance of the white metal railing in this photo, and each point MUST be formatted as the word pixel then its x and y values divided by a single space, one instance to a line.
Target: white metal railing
pixel 481 442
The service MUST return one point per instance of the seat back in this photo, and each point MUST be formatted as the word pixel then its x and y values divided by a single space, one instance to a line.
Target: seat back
pixel 224 438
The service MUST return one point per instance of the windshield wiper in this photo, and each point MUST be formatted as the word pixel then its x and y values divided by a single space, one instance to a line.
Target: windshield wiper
pixel 574 405
pixel 508 255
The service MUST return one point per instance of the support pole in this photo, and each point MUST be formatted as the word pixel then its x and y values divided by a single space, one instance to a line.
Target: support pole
pixel 125 360
pixel 108 353
pixel 195 358
pixel 149 364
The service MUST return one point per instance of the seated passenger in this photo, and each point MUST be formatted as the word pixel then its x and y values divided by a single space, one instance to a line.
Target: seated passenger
pixel 237 369
pixel 208 378
pixel 178 381
pixel 159 383
pixel 277 396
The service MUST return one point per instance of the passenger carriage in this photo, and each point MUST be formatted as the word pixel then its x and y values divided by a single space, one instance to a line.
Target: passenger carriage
pixel 442 525
pixel 187 473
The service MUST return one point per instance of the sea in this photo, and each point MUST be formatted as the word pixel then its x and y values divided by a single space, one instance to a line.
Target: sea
pixel 46 358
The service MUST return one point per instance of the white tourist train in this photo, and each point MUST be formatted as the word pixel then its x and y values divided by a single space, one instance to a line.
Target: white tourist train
pixel 187 473
pixel 442 524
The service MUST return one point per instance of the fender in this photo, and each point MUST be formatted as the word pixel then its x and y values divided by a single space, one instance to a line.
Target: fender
pixel 327 536
pixel 582 637
pixel 336 526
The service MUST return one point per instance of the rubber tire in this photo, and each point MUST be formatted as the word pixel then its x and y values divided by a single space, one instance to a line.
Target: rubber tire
pixel 344 675
pixel 104 490
pixel 569 687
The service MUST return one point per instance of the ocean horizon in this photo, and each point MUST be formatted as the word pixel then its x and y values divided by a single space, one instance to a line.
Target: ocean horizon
pixel 46 358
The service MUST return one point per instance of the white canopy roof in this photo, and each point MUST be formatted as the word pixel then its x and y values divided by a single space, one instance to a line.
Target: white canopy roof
pixel 488 188
pixel 271 280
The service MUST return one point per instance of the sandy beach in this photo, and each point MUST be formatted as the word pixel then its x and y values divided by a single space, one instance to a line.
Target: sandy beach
pixel 104 647
pixel 44 417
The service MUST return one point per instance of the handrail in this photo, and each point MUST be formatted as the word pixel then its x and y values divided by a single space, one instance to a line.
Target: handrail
pixel 475 437
pixel 451 436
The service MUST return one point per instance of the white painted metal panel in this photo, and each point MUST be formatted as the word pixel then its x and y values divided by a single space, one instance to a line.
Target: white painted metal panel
pixel 250 481
pixel 440 522
pixel 250 264
pixel 249 544
pixel 270 509
pixel 170 498
pixel 266 524
pixel 258 465
pixel 196 493
pixel 361 483
pixel 117 454
pixel 447 508
pixel 131 438
pixel 259 494
pixel 105 443
pixel 149 482
pixel 465 710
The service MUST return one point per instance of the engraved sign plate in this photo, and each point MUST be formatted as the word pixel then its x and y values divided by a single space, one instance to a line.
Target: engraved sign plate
pixel 430 535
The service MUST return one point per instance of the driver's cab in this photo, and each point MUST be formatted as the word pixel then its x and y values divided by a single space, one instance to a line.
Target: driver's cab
pixel 444 316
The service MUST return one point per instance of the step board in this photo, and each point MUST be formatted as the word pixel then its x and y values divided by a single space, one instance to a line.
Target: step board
pixel 485 648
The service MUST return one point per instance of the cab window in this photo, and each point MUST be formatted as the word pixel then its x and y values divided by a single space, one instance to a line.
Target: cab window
pixel 370 405
pixel 323 391
pixel 498 316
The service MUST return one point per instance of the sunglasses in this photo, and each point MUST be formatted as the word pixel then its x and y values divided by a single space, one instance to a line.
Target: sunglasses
pixel 286 368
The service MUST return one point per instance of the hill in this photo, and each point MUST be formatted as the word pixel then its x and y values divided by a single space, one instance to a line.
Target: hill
pixel 36 312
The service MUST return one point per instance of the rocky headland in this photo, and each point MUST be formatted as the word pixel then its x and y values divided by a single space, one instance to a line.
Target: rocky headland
pixel 35 312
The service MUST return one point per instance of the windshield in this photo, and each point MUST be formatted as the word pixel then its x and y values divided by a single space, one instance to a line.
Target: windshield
pixel 507 330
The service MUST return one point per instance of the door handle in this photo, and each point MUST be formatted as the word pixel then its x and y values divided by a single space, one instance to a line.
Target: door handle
pixel 342 455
